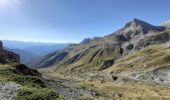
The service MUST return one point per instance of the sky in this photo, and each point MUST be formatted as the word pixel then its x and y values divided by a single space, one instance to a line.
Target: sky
pixel 70 21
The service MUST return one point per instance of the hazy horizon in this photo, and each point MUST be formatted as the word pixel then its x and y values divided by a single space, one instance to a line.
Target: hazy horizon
pixel 65 21
pixel 39 42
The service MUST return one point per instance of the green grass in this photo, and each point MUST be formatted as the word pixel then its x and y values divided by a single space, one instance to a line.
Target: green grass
pixel 34 93
pixel 84 98
pixel 33 88
pixel 86 86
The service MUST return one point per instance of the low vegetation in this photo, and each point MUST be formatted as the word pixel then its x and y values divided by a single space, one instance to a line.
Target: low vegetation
pixel 33 88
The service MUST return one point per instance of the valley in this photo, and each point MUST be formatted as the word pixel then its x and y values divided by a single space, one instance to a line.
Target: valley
pixel 132 63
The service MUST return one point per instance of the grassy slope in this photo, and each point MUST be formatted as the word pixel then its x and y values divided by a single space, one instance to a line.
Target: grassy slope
pixel 142 61
pixel 33 87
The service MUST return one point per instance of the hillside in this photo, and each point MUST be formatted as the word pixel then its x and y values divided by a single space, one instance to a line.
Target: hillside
pixel 7 56
pixel 135 58
pixel 129 64
pixel 166 24
pixel 18 82
pixel 25 56
pixel 101 53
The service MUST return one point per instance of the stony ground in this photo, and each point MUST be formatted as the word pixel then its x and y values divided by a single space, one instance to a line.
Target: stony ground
pixel 70 89
pixel 8 90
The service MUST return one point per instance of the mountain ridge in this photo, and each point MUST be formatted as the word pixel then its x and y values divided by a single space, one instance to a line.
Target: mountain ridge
pixel 102 53
pixel 7 56
pixel 40 49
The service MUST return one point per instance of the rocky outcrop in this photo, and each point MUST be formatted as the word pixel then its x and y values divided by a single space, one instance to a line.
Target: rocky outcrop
pixel 106 63
pixel 7 56
pixel 1 46
pixel 159 38
pixel 160 75
pixel 22 69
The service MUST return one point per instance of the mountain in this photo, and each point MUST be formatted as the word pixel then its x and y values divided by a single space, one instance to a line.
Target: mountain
pixel 30 51
pixel 101 53
pixel 166 24
pixel 25 56
pixel 37 48
pixel 7 56
pixel 87 40
pixel 132 63
pixel 18 82
pixel 45 49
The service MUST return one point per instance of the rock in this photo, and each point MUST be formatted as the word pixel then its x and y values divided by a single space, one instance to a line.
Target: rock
pixel 8 91
pixel 106 63
pixel 162 37
pixel 161 75
pixel 144 65
pixel 114 77
pixel 121 51
pixel 102 81
pixel 1 45
pixel 130 47
pixel 117 95
pixel 70 90
pixel 93 93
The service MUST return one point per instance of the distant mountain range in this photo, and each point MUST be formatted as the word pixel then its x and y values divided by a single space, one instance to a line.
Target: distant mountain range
pixel 29 51
pixel 25 56
pixel 37 48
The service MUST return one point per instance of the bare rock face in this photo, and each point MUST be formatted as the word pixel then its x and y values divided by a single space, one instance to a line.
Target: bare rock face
pixel 1 46
pixel 7 56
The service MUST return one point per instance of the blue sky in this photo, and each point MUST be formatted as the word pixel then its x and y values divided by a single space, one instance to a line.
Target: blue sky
pixel 62 21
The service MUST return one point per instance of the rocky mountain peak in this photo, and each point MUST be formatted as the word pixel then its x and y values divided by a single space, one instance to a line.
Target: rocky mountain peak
pixel 86 40
pixel 137 28
pixel 139 23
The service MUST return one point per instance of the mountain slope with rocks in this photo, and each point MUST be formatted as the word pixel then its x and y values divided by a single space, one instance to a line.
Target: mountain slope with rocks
pixel 25 56
pixel 129 64
pixel 18 82
pixel 101 53
pixel 7 56
pixel 166 24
